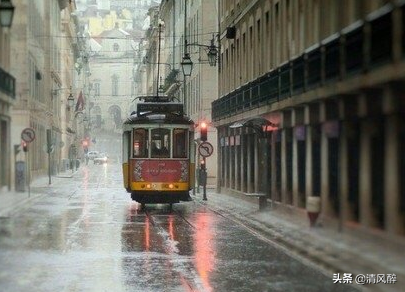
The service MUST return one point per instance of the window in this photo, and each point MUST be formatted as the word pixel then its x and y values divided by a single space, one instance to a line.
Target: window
pixel 114 87
pixel 116 47
pixel 160 144
pixel 97 89
pixel 180 143
pixel 140 143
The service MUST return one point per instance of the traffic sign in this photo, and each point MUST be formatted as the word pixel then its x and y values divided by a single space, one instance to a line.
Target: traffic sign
pixel 205 149
pixel 28 135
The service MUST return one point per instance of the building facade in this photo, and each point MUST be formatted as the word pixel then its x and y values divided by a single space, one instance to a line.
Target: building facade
pixel 311 105
pixel 7 99
pixel 112 80
pixel 45 62
pixel 189 27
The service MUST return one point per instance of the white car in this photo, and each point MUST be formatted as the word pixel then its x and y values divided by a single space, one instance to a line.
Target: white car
pixel 92 154
pixel 101 158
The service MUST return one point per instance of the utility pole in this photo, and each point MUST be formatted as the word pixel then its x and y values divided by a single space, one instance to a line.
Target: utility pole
pixel 204 178
pixel 185 53
pixel 49 150
pixel 158 62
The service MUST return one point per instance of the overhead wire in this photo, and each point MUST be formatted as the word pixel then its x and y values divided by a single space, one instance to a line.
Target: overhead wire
pixel 118 38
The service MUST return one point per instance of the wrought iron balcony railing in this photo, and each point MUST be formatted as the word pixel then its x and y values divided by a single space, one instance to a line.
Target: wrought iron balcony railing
pixel 357 49
pixel 7 83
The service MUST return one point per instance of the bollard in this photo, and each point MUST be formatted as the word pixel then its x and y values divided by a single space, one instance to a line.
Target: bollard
pixel 313 209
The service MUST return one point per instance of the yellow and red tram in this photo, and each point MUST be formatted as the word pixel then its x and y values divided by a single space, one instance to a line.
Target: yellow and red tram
pixel 158 152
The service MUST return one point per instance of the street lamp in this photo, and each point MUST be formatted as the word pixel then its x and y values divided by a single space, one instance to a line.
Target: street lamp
pixel 6 13
pixel 187 65
pixel 212 54
pixel 86 121
pixel 71 101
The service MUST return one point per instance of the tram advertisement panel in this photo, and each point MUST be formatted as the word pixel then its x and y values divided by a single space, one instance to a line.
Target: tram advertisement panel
pixel 159 170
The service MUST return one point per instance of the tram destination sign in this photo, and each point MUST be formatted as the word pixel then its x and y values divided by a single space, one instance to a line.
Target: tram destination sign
pixel 159 107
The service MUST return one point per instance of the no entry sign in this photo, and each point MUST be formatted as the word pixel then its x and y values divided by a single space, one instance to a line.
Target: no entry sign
pixel 28 135
pixel 205 149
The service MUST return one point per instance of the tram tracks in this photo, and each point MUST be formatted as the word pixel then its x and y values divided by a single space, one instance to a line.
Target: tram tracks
pixel 170 246
pixel 275 239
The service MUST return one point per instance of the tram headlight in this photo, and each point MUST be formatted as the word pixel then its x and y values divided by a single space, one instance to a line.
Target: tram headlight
pixel 148 186
pixel 171 186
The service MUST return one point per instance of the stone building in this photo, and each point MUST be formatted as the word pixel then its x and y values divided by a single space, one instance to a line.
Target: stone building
pixel 311 105
pixel 44 60
pixel 111 78
pixel 7 99
pixel 198 90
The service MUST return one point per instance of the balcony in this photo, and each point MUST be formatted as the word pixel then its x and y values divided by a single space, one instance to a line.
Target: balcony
pixel 7 83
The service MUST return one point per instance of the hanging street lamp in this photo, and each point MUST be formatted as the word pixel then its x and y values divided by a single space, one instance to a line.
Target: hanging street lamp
pixel 71 101
pixel 212 54
pixel 187 65
pixel 6 13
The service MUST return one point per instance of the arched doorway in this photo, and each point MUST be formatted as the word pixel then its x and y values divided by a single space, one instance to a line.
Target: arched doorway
pixel 114 112
pixel 96 117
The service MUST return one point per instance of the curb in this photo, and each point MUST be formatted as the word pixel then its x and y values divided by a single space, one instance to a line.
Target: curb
pixel 70 175
pixel 20 205
pixel 310 247
pixel 322 260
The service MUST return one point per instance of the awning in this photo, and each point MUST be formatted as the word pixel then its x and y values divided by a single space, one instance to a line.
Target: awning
pixel 259 124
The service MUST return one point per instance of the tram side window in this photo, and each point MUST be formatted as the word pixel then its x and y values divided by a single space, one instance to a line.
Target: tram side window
pixel 140 143
pixel 179 143
pixel 160 143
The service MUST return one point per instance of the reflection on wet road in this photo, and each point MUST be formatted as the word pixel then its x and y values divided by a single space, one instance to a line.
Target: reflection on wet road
pixel 89 236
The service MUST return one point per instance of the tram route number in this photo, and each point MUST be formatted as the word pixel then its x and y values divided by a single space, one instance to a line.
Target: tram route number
pixel 28 135
pixel 205 149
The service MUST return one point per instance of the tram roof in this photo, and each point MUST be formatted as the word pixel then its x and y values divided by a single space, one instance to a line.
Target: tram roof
pixel 158 109
pixel 158 118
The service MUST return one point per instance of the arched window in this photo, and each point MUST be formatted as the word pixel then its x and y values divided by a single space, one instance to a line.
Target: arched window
pixel 116 47
pixel 114 85
pixel 97 89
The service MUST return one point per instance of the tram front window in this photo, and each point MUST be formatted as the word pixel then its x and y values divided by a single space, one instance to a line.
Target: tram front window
pixel 180 143
pixel 140 145
pixel 160 143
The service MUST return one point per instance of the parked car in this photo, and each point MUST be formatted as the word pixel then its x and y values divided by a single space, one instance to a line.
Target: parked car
pixel 101 158
pixel 93 154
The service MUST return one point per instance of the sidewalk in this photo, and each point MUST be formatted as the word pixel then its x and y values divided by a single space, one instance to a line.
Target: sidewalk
pixel 11 201
pixel 333 251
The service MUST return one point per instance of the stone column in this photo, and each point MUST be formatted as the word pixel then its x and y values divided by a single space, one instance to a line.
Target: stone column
pixel 237 165
pixel 343 175
pixel 294 169
pixel 325 206
pixel 392 171
pixel 226 160
pixel 283 167
pixel 256 146
pixel 242 160
pixel 308 161
pixel 366 214
pixel 393 222
pixel 249 169
pixel 273 167
pixel 219 161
